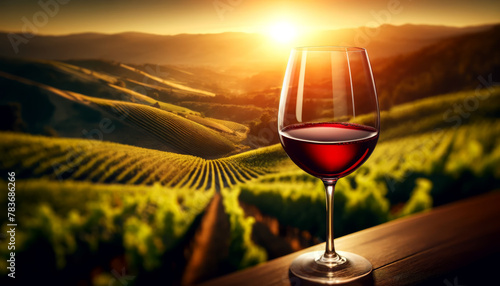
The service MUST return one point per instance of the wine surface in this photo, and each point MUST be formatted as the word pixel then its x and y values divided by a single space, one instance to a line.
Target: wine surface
pixel 328 150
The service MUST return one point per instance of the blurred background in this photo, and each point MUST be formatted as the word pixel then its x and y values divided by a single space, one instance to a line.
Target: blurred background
pixel 143 134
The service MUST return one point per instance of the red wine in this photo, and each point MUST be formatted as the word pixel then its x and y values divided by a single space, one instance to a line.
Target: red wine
pixel 328 150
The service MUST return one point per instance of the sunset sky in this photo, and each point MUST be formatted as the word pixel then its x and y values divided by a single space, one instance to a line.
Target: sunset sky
pixel 212 16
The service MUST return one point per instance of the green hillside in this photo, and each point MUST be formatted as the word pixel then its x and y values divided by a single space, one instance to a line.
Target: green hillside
pixel 68 113
pixel 138 203
pixel 173 130
pixel 403 176
pixel 144 205
pixel 81 227
pixel 105 162
pixel 105 80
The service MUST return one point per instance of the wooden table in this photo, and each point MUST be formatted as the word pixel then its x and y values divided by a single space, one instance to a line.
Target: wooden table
pixel 452 245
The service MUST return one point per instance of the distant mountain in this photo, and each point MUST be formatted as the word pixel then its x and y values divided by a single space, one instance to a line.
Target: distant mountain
pixel 462 62
pixel 251 51
pixel 138 48
pixel 388 40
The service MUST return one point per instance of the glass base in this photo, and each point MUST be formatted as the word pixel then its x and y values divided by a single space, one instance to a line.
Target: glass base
pixel 346 268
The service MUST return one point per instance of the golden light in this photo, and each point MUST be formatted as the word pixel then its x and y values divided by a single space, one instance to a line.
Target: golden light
pixel 283 32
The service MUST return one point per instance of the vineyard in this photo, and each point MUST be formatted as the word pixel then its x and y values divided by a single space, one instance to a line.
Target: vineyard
pixel 155 194
pixel 171 129
pixel 402 177
pixel 140 208
pixel 106 162
pixel 94 208
pixel 169 124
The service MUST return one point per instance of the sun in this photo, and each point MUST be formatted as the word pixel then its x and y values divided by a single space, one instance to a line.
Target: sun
pixel 283 32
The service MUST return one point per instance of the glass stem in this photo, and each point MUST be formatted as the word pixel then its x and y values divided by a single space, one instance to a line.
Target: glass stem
pixel 330 256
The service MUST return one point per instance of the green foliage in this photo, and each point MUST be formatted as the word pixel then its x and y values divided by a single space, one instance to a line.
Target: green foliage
pixel 295 202
pixel 263 132
pixel 144 222
pixel 243 252
pixel 442 112
pixel 115 200
pixel 298 200
pixel 417 172
pixel 420 199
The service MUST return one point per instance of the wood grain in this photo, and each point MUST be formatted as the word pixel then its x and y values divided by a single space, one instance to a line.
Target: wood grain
pixel 406 251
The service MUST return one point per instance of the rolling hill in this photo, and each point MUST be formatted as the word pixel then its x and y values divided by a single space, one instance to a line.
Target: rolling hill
pixel 103 80
pixel 107 162
pixel 458 63
pixel 119 121
pixel 143 206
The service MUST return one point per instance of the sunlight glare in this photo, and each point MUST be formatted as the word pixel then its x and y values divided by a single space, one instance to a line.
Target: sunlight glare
pixel 282 32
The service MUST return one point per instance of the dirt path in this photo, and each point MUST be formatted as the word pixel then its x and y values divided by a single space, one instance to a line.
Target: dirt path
pixel 210 245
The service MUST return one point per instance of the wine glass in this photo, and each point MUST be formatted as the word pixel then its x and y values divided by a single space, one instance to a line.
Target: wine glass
pixel 329 124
